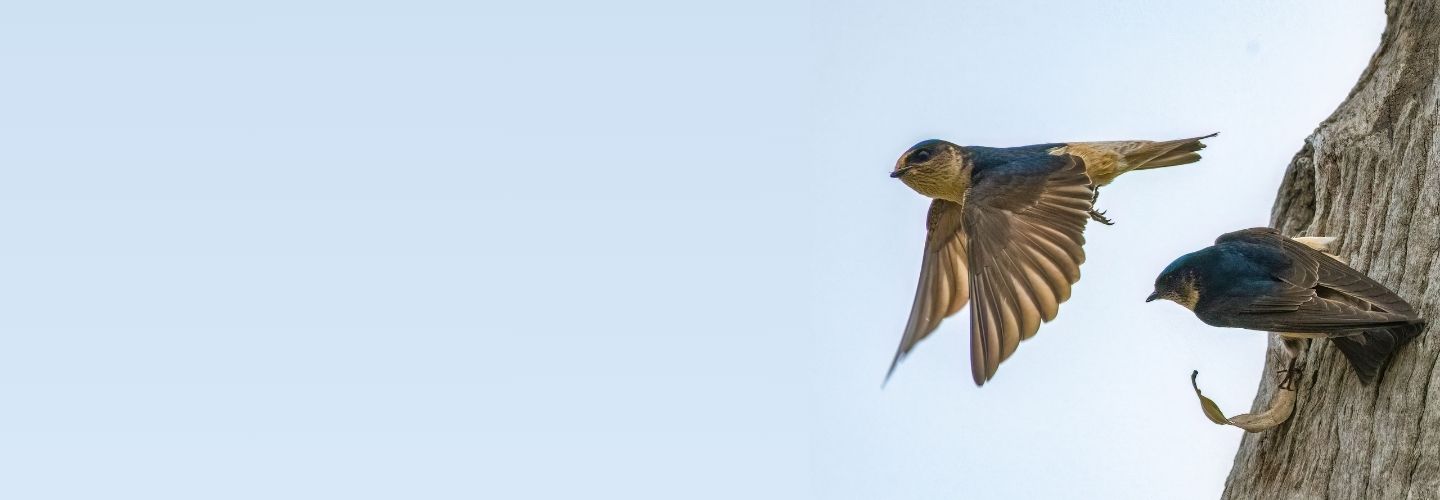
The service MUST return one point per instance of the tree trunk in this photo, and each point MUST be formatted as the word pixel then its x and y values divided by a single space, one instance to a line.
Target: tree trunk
pixel 1365 177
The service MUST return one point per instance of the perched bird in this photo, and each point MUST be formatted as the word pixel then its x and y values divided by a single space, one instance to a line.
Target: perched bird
pixel 1006 229
pixel 1260 280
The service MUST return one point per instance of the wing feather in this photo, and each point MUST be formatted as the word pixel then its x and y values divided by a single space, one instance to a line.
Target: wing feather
pixel 1296 302
pixel 944 279
pixel 1313 269
pixel 1025 251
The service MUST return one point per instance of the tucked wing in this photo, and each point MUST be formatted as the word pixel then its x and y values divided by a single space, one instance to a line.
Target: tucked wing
pixel 1312 269
pixel 944 283
pixel 1293 309
pixel 1024 223
pixel 1313 293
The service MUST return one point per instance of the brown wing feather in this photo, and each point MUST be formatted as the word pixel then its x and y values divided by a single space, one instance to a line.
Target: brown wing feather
pixel 1024 257
pixel 944 281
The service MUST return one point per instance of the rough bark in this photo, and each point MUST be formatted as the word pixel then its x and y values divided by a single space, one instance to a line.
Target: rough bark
pixel 1365 176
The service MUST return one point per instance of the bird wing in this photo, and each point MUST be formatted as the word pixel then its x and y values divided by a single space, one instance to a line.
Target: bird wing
pixel 1313 269
pixel 1024 229
pixel 1300 300
pixel 944 283
pixel 1288 308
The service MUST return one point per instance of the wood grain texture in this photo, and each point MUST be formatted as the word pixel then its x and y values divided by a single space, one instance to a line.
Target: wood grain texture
pixel 1366 176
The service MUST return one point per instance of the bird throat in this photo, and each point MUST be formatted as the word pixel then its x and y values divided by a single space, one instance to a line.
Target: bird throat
pixel 938 185
pixel 1188 294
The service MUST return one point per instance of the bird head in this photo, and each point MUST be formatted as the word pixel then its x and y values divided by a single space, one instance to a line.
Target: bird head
pixel 934 168
pixel 1179 283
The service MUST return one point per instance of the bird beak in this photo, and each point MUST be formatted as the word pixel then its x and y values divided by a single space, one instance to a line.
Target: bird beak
pixel 899 172
pixel 1152 297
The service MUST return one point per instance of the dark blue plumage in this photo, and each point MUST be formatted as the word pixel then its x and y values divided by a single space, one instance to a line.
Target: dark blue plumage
pixel 985 158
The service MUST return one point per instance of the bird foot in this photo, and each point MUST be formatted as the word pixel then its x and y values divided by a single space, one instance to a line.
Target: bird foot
pixel 1289 378
pixel 1099 216
pixel 1287 381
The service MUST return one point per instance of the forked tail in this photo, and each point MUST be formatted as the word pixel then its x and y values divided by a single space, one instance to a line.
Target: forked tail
pixel 1166 153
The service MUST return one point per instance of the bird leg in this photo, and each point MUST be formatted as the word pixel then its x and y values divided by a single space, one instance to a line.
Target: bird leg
pixel 1290 376
pixel 1097 215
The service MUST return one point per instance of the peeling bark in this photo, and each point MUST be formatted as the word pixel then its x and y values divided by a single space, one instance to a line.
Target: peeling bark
pixel 1365 176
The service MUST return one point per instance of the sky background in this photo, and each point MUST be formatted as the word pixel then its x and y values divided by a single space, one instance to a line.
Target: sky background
pixel 634 250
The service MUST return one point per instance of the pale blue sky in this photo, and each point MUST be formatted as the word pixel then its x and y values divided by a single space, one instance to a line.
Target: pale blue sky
pixel 636 250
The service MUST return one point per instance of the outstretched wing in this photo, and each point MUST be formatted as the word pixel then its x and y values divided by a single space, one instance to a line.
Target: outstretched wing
pixel 944 283
pixel 1024 223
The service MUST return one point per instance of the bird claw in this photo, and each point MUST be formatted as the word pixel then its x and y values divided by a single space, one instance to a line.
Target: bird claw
pixel 1289 378
pixel 1099 216
pixel 1096 215
pixel 1288 382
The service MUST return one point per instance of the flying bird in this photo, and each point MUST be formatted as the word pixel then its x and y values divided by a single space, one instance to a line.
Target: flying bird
pixel 1005 228
pixel 1258 279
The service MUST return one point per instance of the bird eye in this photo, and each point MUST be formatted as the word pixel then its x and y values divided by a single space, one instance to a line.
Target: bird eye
pixel 920 156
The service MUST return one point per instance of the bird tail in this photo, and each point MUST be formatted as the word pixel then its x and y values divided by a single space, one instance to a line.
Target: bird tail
pixel 1370 351
pixel 1166 153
